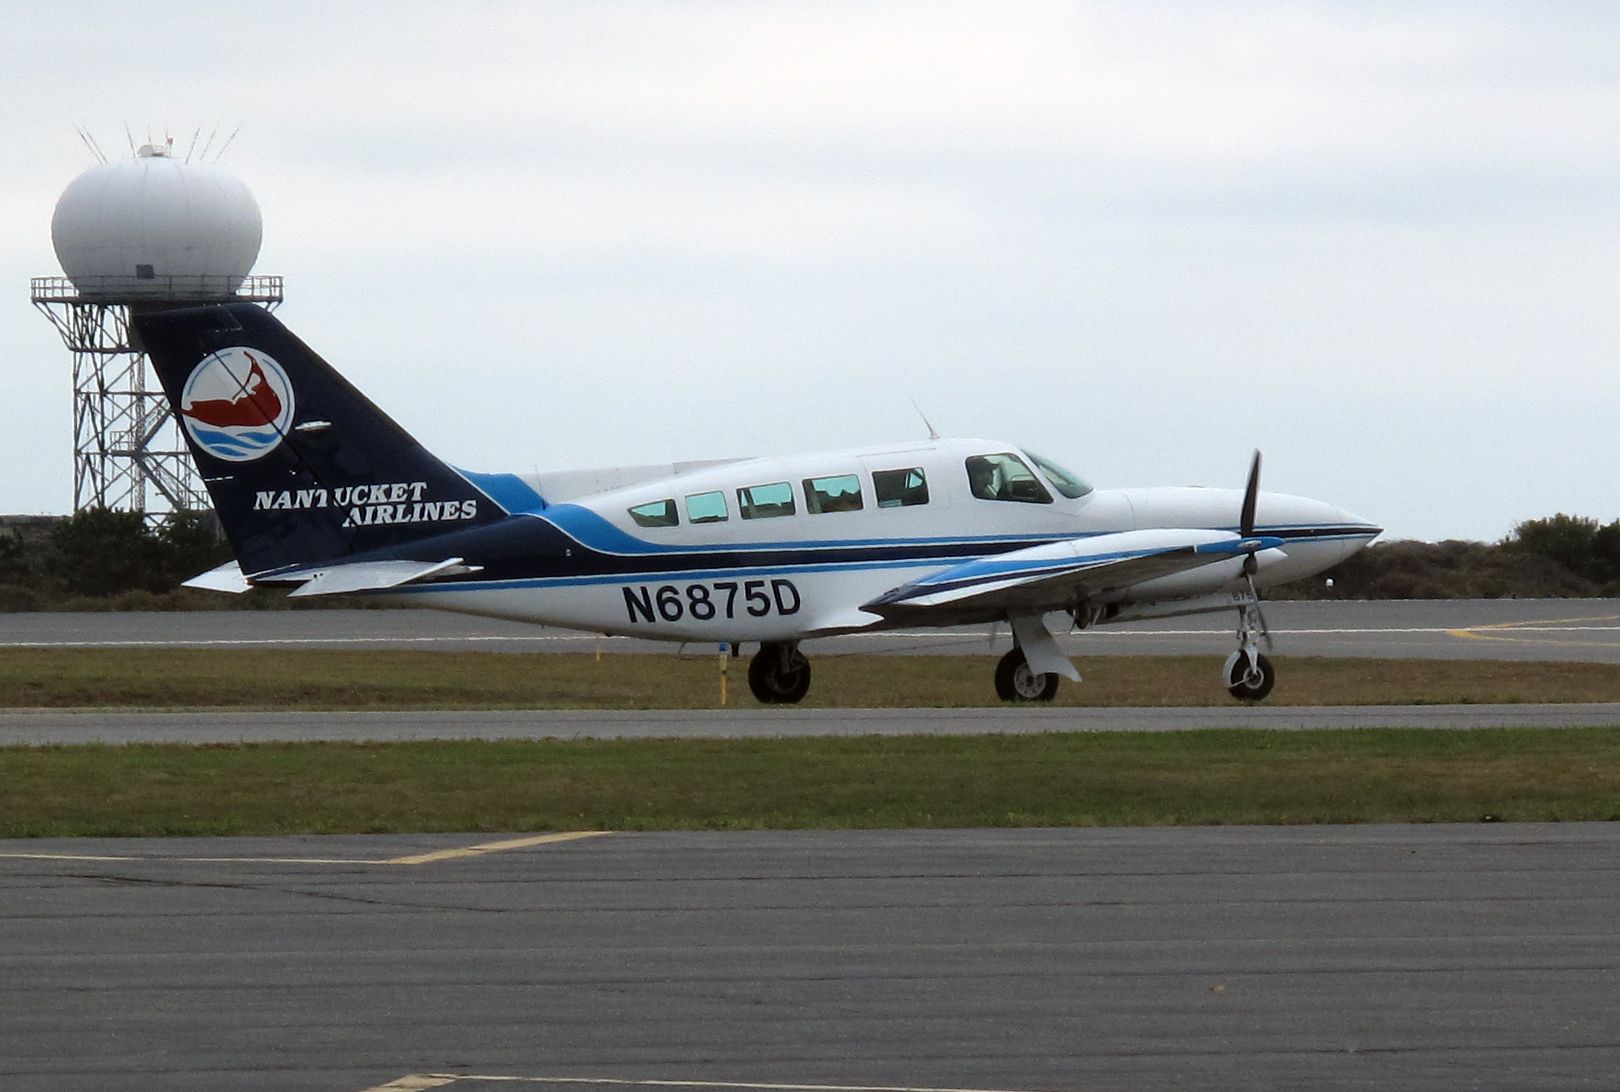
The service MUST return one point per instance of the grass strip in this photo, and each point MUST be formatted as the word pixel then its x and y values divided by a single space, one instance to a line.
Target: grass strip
pixel 320 679
pixel 1059 779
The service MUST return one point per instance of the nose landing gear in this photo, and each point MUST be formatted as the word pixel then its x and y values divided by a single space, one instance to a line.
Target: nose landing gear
pixel 1248 674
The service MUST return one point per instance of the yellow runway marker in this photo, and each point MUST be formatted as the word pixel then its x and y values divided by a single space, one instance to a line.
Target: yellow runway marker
pixel 1510 632
pixel 496 847
pixel 186 860
pixel 414 859
pixel 441 1079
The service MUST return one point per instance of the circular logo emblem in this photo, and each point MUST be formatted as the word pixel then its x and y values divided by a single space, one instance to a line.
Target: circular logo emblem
pixel 237 405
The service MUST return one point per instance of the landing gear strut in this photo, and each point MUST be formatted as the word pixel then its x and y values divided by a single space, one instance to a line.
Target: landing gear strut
pixel 1248 673
pixel 1016 682
pixel 779 674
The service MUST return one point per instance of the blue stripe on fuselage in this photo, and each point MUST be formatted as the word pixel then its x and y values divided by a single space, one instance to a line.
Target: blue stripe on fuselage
pixel 539 550
pixel 507 490
pixel 737 572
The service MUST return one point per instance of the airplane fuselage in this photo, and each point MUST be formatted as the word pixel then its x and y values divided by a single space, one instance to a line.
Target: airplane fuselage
pixel 777 549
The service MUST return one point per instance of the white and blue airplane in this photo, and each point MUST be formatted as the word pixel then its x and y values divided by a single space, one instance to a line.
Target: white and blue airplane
pixel 318 490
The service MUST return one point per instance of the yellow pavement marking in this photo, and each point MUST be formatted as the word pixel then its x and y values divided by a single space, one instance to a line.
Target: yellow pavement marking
pixel 186 860
pixel 414 859
pixel 440 1079
pixel 1509 631
pixel 496 847
pixel 412 1083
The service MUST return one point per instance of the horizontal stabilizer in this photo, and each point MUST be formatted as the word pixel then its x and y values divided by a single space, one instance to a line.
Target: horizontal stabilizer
pixel 227 578
pixel 371 575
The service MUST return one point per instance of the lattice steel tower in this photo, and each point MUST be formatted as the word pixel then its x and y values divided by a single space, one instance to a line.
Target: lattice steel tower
pixel 147 233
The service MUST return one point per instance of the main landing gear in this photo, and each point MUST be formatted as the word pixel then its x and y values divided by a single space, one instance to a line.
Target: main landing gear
pixel 1016 682
pixel 779 674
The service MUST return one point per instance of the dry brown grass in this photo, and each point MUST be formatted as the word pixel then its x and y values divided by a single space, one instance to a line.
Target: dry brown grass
pixel 313 679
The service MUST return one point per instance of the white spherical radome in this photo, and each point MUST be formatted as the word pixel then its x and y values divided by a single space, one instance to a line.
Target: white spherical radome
pixel 155 227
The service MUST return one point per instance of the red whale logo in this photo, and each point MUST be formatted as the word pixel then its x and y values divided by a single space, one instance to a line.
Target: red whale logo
pixel 256 405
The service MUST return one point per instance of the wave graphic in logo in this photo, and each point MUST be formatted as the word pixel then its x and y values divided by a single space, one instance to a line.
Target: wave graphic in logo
pixel 237 405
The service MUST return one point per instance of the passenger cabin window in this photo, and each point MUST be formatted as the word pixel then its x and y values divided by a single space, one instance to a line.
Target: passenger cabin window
pixel 766 501
pixel 841 493
pixel 900 488
pixel 656 514
pixel 1005 477
pixel 706 507
pixel 1067 482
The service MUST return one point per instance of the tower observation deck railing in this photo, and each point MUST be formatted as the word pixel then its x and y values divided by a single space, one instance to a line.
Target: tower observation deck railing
pixel 180 289
pixel 129 451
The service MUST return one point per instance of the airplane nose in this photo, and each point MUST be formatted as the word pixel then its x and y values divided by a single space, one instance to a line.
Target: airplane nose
pixel 1361 526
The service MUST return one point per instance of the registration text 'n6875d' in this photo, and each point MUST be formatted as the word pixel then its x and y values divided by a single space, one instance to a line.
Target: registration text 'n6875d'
pixel 710 601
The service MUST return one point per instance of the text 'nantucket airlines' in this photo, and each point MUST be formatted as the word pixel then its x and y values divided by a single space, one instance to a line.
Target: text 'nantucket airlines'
pixel 369 505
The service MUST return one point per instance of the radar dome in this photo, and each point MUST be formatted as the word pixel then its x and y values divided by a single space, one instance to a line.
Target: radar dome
pixel 155 227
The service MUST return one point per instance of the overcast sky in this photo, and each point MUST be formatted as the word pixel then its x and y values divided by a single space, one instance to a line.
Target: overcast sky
pixel 1379 241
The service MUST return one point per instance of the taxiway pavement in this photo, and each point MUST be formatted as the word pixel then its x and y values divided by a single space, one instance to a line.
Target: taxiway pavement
pixel 1429 957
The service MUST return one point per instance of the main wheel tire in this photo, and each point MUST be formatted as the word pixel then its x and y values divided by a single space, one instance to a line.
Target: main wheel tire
pixel 1242 686
pixel 1016 682
pixel 773 684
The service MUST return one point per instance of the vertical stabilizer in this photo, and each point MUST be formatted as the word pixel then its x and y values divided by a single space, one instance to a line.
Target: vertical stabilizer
pixel 303 469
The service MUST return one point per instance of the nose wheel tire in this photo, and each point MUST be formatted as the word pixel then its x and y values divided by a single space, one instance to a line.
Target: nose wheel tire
pixel 1016 682
pixel 1246 684
pixel 779 677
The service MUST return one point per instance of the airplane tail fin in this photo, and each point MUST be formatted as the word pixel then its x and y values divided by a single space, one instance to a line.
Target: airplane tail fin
pixel 303 469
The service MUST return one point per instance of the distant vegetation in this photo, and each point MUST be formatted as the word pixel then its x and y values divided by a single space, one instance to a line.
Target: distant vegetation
pixel 99 559
pixel 105 560
pixel 1543 558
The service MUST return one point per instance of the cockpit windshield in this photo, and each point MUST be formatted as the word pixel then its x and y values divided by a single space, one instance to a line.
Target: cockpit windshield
pixel 1067 482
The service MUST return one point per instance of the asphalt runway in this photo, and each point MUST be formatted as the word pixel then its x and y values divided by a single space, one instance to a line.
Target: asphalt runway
pixel 1508 629
pixel 1431 957
pixel 44 727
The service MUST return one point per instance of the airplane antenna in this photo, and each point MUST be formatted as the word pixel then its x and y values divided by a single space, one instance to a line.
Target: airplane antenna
pixel 202 156
pixel 90 145
pixel 129 137
pixel 219 155
pixel 933 434
pixel 195 133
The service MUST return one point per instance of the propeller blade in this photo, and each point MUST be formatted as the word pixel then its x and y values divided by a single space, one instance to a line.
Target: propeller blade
pixel 1251 495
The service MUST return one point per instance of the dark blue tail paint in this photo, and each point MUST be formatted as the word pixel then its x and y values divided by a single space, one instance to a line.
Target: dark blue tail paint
pixel 303 469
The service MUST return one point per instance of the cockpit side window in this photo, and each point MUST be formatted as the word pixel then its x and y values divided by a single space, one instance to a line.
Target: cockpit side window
pixel 656 514
pixel 900 488
pixel 1067 482
pixel 1005 477
pixel 706 507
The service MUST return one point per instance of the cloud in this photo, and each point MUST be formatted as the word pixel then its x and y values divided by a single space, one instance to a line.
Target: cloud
pixel 1376 239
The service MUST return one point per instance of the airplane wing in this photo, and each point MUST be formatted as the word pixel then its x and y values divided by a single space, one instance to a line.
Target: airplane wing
pixel 1057 575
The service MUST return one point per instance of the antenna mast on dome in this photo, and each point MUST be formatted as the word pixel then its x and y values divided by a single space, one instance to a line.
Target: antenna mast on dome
pixel 141 234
